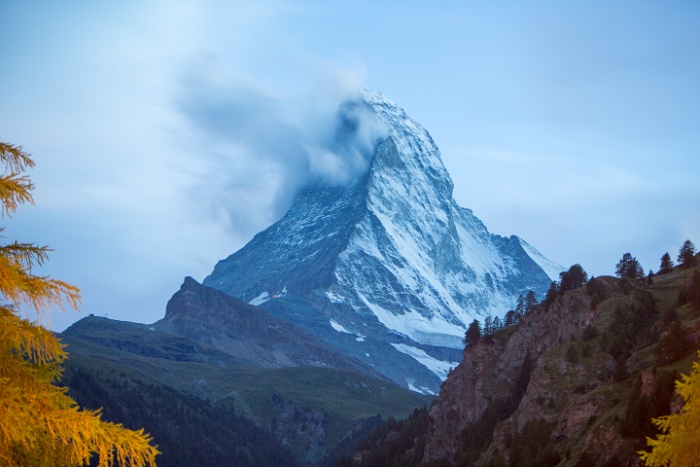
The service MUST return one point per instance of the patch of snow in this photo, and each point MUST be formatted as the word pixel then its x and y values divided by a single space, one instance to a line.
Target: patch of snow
pixel 551 268
pixel 416 326
pixel 260 299
pixel 338 327
pixel 281 294
pixel 424 391
pixel 439 367
pixel 477 251
pixel 334 297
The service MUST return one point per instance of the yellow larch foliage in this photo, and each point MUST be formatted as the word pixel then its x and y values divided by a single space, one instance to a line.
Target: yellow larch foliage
pixel 40 425
pixel 679 445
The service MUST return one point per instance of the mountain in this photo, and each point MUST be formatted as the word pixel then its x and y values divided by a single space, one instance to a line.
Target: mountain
pixel 575 382
pixel 386 268
pixel 246 333
pixel 220 382
pixel 326 323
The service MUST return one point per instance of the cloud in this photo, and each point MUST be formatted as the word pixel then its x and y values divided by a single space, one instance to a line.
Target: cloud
pixel 257 147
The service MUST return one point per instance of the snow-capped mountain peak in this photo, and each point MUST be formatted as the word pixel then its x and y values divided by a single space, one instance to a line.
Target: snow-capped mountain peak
pixel 389 256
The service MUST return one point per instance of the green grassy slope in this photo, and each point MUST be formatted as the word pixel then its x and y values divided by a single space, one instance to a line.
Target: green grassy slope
pixel 341 399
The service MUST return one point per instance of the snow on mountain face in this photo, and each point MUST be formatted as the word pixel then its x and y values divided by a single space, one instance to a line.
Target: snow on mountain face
pixel 389 257
pixel 437 267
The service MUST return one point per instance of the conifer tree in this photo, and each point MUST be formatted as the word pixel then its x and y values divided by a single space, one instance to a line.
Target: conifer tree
pixel 39 424
pixel 488 326
pixel 473 333
pixel 686 255
pixel 679 445
pixel 520 305
pixel 666 264
pixel 509 318
pixel 574 278
pixel 629 267
pixel 552 294
pixel 497 324
pixel 530 301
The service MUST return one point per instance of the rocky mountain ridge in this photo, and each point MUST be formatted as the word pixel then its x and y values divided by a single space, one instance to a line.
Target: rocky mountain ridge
pixel 576 382
pixel 245 332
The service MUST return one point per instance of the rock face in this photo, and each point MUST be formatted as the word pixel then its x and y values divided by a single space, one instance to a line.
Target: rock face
pixel 386 267
pixel 490 367
pixel 580 377
pixel 245 332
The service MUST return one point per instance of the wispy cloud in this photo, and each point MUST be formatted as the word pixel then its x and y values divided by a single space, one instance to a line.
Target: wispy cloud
pixel 258 147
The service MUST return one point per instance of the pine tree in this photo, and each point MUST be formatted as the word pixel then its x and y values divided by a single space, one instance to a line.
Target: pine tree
pixel 520 306
pixel 666 264
pixel 497 324
pixel 488 326
pixel 574 278
pixel 473 333
pixel 509 318
pixel 530 301
pixel 679 445
pixel 39 424
pixel 552 294
pixel 629 267
pixel 686 255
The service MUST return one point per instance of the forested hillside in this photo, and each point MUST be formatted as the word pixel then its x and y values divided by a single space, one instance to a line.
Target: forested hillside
pixel 187 429
pixel 575 380
pixel 203 407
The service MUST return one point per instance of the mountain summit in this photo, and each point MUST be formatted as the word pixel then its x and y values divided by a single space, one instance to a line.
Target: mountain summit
pixel 384 265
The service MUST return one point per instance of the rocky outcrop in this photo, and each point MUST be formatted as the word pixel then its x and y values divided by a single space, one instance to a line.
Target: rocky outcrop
pixel 597 375
pixel 492 364
pixel 246 332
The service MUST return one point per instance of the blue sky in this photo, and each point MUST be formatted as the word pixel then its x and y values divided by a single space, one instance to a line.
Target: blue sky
pixel 574 126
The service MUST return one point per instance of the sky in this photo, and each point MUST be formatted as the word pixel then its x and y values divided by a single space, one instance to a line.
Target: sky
pixel 166 134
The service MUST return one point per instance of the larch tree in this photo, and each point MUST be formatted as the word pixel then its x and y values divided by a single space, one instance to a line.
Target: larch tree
pixel 39 423
pixel 679 443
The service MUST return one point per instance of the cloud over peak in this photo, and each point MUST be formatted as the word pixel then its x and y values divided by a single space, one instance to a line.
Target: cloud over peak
pixel 258 149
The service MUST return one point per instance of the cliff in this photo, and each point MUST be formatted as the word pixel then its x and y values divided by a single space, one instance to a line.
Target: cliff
pixel 575 382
